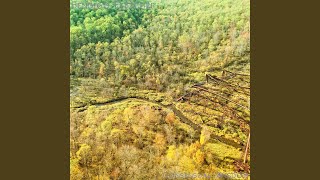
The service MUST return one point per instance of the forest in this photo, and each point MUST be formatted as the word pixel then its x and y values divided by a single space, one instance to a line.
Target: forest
pixel 160 91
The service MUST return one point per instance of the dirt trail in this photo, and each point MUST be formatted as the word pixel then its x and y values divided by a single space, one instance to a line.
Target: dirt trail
pixel 177 112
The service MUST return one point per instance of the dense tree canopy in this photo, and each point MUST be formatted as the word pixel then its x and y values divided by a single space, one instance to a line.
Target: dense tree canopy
pixel 154 56
pixel 171 43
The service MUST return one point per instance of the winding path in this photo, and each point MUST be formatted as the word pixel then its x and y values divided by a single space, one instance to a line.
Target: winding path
pixel 177 112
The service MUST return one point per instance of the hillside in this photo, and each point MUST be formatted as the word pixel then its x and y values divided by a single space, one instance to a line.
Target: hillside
pixel 160 91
